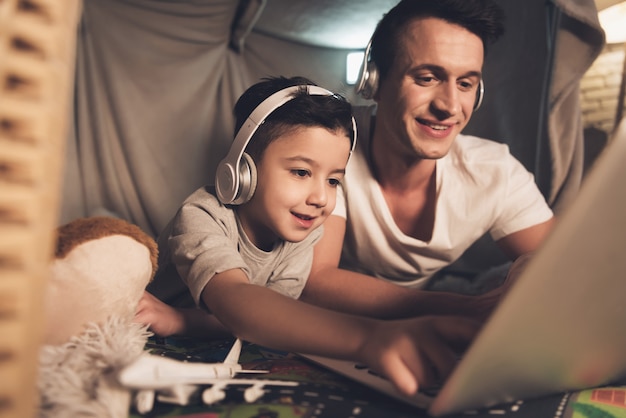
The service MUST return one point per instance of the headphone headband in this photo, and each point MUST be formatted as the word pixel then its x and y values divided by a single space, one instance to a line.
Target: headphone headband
pixel 229 185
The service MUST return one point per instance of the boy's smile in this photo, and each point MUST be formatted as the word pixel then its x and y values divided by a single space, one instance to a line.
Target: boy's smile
pixel 297 181
pixel 304 220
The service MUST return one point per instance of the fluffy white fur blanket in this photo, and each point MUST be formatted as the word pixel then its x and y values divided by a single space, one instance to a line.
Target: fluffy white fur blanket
pixel 78 378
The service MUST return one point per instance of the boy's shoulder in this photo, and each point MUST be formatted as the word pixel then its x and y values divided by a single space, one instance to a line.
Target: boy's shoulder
pixel 206 198
pixel 205 193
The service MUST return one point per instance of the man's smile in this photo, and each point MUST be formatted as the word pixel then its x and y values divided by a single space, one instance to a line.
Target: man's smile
pixel 434 125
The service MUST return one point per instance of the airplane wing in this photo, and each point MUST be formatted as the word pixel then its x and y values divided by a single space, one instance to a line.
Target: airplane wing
pixel 216 393
pixel 150 371
pixel 181 394
pixel 174 381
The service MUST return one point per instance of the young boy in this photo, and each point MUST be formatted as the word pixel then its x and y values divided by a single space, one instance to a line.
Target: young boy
pixel 244 251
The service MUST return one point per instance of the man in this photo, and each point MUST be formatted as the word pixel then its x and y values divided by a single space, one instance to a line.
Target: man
pixel 243 253
pixel 418 193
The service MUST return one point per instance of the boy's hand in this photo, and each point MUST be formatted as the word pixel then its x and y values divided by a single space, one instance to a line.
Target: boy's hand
pixel 163 319
pixel 418 352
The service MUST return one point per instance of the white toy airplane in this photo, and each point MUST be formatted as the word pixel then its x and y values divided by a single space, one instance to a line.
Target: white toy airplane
pixel 174 381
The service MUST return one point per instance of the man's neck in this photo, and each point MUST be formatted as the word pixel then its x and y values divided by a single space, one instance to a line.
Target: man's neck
pixel 398 172
pixel 409 189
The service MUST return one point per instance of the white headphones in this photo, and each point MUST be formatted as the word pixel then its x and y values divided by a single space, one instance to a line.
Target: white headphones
pixel 235 179
pixel 367 84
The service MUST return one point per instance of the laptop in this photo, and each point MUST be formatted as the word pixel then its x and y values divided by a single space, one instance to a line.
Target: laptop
pixel 562 326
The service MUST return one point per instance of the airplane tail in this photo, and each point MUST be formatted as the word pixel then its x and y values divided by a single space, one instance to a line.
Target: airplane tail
pixel 234 353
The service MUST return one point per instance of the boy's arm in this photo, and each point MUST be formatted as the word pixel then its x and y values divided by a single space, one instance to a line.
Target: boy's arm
pixel 165 320
pixel 264 316
pixel 346 291
pixel 407 352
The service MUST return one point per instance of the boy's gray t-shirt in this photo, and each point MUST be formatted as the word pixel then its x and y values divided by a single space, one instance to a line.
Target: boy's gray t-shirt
pixel 205 238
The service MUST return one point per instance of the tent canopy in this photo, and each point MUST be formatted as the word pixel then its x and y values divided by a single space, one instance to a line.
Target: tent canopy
pixel 156 82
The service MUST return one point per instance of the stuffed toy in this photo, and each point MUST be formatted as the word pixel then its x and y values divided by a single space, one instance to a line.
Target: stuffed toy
pixel 100 270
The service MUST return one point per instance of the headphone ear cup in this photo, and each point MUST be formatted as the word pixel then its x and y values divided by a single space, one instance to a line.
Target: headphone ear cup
pixel 247 179
pixel 225 182
pixel 480 95
pixel 368 81
pixel 372 80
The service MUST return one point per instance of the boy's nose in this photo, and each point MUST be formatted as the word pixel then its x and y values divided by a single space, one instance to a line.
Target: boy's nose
pixel 318 196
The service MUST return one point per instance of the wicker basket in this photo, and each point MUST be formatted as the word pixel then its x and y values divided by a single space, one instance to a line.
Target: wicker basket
pixel 37 49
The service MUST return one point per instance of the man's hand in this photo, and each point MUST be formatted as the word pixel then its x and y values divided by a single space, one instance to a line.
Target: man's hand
pixel 420 352
pixel 481 307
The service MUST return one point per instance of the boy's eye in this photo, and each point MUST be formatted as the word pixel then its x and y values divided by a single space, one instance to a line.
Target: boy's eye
pixel 300 172
pixel 333 182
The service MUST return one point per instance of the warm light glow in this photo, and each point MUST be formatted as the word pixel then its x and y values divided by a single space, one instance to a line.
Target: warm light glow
pixel 353 66
pixel 613 21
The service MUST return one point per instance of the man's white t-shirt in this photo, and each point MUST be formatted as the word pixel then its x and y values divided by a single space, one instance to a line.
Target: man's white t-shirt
pixel 480 188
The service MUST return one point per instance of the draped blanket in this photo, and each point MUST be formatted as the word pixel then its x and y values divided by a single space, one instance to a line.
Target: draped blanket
pixel 156 82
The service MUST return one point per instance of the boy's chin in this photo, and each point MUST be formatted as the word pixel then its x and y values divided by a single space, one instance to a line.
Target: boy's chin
pixel 297 237
pixel 294 239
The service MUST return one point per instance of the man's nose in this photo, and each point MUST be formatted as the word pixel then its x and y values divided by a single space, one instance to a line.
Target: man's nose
pixel 447 99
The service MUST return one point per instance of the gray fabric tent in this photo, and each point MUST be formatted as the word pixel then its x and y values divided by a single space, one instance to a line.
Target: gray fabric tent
pixel 156 82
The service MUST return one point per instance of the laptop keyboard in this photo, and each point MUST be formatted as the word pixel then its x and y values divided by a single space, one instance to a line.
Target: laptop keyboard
pixel 364 375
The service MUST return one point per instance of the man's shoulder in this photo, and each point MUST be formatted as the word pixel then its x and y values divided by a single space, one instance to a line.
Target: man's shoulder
pixel 475 149
pixel 474 157
pixel 472 143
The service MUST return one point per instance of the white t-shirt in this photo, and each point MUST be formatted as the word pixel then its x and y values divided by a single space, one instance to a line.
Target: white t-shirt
pixel 481 188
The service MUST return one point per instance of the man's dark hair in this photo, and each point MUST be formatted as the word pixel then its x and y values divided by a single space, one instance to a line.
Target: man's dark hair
pixel 332 112
pixel 484 18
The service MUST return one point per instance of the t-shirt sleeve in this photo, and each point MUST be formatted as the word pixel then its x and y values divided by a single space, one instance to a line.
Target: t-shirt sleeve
pixel 522 204
pixel 201 244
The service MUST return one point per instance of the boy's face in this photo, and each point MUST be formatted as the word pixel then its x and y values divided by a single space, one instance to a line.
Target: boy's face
pixel 428 96
pixel 297 181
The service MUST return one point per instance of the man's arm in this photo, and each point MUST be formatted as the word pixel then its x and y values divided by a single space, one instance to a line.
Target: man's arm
pixel 525 241
pixel 342 290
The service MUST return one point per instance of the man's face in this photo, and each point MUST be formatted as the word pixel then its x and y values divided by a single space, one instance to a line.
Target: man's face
pixel 428 96
pixel 297 184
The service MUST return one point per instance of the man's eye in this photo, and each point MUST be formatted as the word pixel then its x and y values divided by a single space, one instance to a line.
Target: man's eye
pixel 425 80
pixel 466 85
pixel 300 172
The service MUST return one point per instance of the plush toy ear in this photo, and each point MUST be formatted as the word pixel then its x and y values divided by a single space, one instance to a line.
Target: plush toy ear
pixel 82 230
pixel 101 270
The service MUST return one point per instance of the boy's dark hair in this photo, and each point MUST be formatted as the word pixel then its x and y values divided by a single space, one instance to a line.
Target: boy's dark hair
pixel 484 18
pixel 332 112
